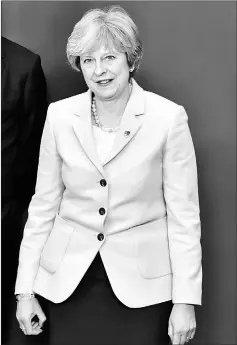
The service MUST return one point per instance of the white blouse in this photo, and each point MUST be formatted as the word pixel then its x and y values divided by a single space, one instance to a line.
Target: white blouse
pixel 104 142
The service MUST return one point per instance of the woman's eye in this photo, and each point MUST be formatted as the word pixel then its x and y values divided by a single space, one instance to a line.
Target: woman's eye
pixel 87 61
pixel 110 57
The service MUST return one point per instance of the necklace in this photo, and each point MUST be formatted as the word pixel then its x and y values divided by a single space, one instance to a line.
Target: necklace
pixel 97 120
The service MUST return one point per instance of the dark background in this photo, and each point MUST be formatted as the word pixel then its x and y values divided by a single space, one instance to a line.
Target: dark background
pixel 190 58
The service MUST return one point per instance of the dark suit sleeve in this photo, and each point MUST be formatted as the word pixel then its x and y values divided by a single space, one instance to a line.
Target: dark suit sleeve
pixel 32 120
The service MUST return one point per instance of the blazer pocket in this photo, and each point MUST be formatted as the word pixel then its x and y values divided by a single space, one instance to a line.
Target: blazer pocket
pixel 153 258
pixel 56 245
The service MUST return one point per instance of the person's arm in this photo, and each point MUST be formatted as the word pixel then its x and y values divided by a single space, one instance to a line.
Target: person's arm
pixel 182 204
pixel 184 231
pixel 43 208
pixel 32 114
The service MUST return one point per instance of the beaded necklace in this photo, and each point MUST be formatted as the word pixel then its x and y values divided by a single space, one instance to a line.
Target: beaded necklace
pixel 97 120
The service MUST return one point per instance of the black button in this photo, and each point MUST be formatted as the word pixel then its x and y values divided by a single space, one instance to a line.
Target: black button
pixel 103 183
pixel 100 237
pixel 127 134
pixel 102 211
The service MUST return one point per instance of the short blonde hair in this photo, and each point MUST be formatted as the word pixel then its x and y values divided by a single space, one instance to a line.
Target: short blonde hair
pixel 101 27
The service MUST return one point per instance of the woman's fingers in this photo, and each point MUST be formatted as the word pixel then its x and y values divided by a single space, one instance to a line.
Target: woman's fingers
pixel 183 338
pixel 35 325
pixel 192 333
pixel 22 327
pixel 37 331
pixel 26 311
pixel 28 327
pixel 170 332
pixel 41 316
pixel 176 339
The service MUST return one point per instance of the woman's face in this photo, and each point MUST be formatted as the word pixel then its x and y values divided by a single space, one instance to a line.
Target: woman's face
pixel 106 72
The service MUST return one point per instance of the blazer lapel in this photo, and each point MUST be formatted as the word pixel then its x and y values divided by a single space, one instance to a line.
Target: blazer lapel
pixel 82 127
pixel 130 123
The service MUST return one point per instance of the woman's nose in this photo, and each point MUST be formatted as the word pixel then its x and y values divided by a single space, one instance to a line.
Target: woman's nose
pixel 99 68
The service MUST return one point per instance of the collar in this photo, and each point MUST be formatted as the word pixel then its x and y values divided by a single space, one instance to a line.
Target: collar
pixel 135 105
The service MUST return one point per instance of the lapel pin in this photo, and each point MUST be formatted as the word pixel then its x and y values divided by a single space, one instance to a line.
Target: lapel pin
pixel 126 134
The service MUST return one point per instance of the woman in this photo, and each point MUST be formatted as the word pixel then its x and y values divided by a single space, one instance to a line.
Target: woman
pixel 113 235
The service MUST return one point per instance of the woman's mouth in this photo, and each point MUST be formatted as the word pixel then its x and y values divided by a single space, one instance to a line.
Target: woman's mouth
pixel 104 82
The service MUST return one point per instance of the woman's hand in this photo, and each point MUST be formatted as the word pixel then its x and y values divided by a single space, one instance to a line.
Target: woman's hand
pixel 182 323
pixel 26 310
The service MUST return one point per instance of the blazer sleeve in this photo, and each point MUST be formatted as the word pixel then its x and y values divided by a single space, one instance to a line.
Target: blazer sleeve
pixel 32 118
pixel 182 202
pixel 42 209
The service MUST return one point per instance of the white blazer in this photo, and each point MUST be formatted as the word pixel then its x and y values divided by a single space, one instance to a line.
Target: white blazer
pixel 143 219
